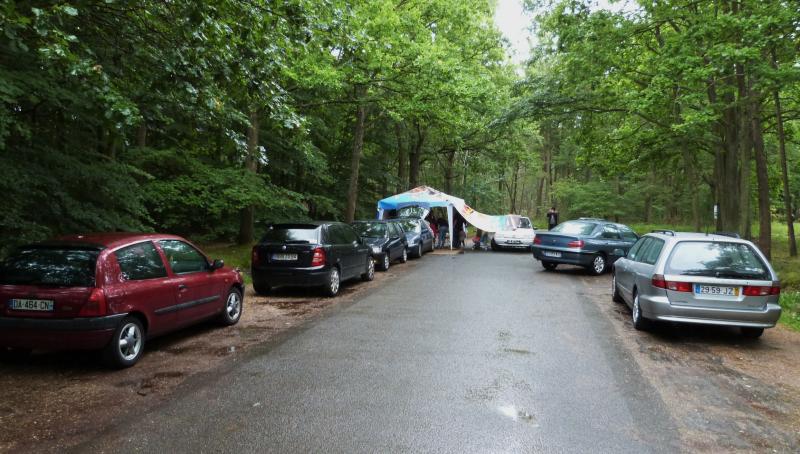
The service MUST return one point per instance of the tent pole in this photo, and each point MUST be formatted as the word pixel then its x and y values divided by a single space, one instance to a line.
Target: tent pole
pixel 450 223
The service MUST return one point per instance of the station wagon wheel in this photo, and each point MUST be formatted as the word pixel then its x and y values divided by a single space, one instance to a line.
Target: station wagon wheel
pixel 333 282
pixel 233 308
pixel 751 333
pixel 386 262
pixel 419 250
pixel 598 264
pixel 370 273
pixel 404 258
pixel 126 345
pixel 639 322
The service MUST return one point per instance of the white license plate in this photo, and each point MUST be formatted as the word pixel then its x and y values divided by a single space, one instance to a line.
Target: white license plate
pixel 513 242
pixel 284 256
pixel 551 254
pixel 31 305
pixel 716 290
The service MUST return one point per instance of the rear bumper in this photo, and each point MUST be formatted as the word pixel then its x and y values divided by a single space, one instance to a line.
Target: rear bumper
pixel 291 277
pixel 58 334
pixel 659 308
pixel 569 257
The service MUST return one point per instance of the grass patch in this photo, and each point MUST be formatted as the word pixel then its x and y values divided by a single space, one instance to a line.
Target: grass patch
pixel 790 302
pixel 235 256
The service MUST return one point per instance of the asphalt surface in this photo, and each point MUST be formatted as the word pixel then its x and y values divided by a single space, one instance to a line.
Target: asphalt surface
pixel 480 352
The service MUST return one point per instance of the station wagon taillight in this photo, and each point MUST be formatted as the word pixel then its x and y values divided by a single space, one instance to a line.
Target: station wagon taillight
pixel 761 290
pixel 318 259
pixel 96 305
pixel 576 243
pixel 659 281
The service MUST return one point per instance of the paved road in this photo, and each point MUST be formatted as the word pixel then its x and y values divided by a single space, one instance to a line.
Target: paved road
pixel 481 352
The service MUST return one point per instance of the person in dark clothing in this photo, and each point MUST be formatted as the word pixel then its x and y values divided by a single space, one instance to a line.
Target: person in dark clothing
pixel 443 228
pixel 552 218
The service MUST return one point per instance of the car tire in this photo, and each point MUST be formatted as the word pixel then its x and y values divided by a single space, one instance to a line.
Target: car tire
pixel 598 265
pixel 261 288
pixel 404 257
pixel 549 266
pixel 751 333
pixel 334 282
pixel 417 252
pixel 384 266
pixel 495 247
pixel 639 322
pixel 232 311
pixel 127 344
pixel 615 296
pixel 369 273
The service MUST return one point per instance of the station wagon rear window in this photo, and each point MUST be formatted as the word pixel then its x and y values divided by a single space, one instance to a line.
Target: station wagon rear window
pixel 575 228
pixel 50 266
pixel 292 234
pixel 717 259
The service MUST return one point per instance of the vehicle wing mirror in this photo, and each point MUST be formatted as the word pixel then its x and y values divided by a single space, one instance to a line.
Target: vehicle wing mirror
pixel 217 264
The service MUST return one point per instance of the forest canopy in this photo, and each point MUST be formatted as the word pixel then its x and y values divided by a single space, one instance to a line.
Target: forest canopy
pixel 210 119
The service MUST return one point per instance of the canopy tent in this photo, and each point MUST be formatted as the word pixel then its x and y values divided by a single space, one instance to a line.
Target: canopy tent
pixel 427 198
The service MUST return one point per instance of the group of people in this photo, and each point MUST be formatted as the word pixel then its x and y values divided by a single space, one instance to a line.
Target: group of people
pixel 440 228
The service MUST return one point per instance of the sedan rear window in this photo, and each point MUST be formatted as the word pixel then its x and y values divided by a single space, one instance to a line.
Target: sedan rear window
pixel 292 234
pixel 575 228
pixel 410 226
pixel 63 267
pixel 717 259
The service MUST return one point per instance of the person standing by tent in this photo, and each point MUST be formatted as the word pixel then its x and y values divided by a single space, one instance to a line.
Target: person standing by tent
pixel 443 227
pixel 552 218
pixel 434 224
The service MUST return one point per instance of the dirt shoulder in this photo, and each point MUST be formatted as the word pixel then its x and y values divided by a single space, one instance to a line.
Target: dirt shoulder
pixel 725 393
pixel 52 401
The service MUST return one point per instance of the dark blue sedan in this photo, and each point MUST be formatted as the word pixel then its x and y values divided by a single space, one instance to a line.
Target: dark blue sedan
pixel 588 242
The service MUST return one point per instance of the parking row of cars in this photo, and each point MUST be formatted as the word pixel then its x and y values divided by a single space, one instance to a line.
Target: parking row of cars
pixel 111 292
pixel 667 276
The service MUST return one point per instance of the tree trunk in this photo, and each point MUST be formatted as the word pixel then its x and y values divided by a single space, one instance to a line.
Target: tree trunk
pixel 415 157
pixel 402 160
pixel 745 142
pixel 141 135
pixel 355 157
pixel 787 195
pixel 247 215
pixel 449 170
pixel 762 176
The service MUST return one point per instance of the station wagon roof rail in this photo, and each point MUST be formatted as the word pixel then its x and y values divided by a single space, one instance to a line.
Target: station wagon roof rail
pixel 729 234
pixel 664 232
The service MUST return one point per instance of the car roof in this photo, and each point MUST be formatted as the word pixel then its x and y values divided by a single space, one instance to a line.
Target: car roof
pixel 108 239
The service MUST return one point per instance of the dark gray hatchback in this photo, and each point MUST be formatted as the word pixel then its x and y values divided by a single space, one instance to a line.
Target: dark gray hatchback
pixel 588 242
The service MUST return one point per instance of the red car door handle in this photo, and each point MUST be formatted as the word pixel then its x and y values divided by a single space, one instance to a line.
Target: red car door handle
pixel 182 287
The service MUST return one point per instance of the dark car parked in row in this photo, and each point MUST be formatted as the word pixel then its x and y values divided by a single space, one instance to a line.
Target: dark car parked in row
pixel 310 254
pixel 111 291
pixel 386 240
pixel 418 234
pixel 588 242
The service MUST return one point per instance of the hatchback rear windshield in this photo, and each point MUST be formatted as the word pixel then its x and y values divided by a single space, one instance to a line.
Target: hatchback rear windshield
pixel 575 228
pixel 292 234
pixel 410 226
pixel 525 223
pixel 63 267
pixel 370 230
pixel 717 259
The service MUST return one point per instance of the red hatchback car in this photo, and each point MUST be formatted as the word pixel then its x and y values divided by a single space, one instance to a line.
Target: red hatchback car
pixel 111 291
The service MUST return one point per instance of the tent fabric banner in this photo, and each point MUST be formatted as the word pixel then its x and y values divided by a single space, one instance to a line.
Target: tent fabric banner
pixel 427 198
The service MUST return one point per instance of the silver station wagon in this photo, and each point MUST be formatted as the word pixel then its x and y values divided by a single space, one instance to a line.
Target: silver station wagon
pixel 698 278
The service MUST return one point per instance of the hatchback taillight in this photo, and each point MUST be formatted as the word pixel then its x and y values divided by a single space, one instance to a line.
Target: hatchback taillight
pixel 537 240
pixel 577 243
pixel 659 281
pixel 318 259
pixel 761 290
pixel 254 257
pixel 96 305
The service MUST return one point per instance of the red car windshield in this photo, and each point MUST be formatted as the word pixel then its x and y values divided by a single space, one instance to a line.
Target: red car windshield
pixel 64 267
